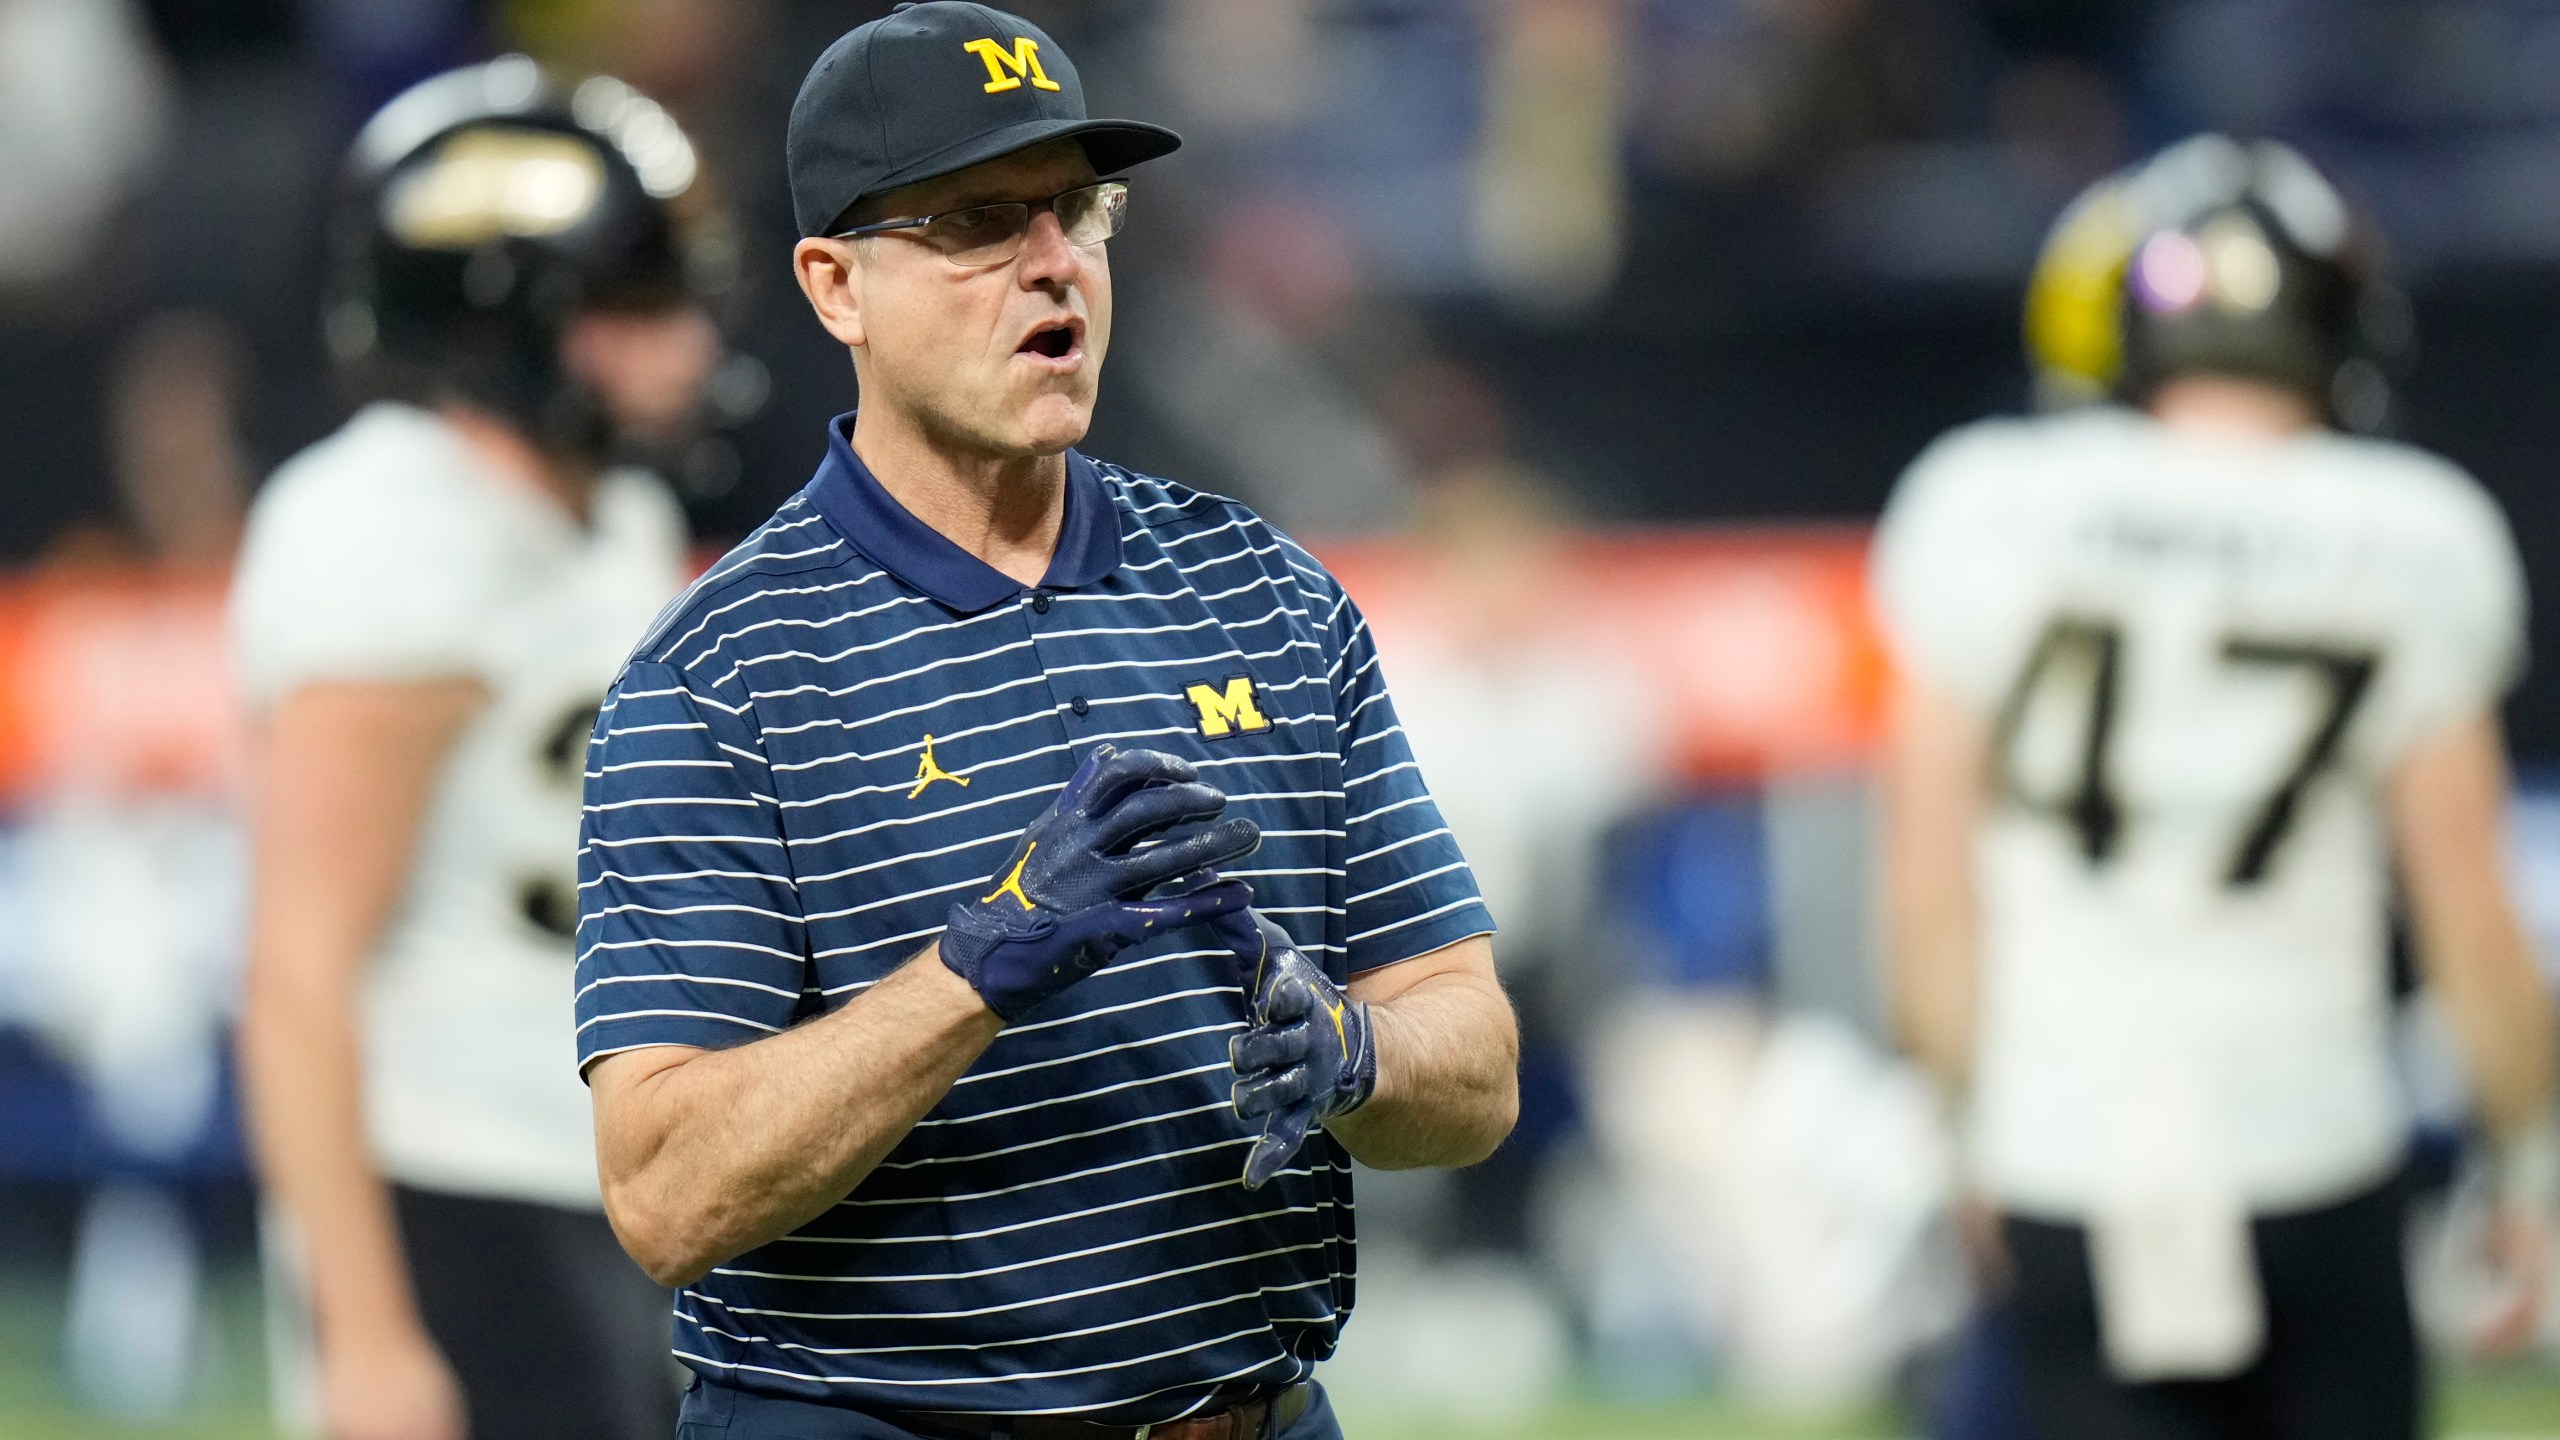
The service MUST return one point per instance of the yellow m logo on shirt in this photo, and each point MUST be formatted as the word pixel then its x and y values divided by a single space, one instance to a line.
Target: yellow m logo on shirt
pixel 1227 707
pixel 1006 70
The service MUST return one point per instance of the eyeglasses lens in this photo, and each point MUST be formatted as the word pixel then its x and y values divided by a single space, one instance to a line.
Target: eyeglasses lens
pixel 992 234
pixel 1092 215
pixel 981 235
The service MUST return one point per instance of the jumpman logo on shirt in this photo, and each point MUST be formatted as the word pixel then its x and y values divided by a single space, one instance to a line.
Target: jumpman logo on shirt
pixel 929 770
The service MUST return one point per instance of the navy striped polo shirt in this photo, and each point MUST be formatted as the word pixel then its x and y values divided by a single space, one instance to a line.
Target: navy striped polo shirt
pixel 840 730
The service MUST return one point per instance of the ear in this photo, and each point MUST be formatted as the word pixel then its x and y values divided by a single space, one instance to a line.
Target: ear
pixel 830 274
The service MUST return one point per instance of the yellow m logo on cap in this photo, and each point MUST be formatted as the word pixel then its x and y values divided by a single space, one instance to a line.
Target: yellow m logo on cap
pixel 1005 70
pixel 1226 711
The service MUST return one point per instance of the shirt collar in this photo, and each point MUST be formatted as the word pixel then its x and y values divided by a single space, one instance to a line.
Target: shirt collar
pixel 873 522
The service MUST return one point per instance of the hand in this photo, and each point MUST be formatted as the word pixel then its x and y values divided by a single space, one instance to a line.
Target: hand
pixel 392 1388
pixel 2519 1246
pixel 1977 1222
pixel 1309 1054
pixel 2524 1176
pixel 1073 892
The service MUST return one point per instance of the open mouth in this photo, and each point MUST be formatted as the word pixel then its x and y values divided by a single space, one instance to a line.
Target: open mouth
pixel 1056 341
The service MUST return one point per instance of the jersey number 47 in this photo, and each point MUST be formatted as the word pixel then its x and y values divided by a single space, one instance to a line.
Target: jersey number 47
pixel 2089 654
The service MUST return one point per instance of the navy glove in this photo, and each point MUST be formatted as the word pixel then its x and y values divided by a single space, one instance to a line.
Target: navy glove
pixel 1074 892
pixel 1309 1054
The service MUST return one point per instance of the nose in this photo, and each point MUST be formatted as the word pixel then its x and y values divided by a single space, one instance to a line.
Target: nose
pixel 1048 261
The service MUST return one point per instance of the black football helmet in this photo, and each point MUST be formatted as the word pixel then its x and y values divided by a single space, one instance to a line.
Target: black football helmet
pixel 2216 257
pixel 479 212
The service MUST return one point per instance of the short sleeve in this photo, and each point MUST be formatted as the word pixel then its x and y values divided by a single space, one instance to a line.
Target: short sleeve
pixel 340 579
pixel 2465 609
pixel 1409 891
pixel 1945 567
pixel 689 924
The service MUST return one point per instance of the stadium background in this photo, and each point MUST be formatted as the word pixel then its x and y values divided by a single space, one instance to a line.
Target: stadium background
pixel 1584 336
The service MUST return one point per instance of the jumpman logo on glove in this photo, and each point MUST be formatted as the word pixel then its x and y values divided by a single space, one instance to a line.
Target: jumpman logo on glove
pixel 1309 1054
pixel 1078 889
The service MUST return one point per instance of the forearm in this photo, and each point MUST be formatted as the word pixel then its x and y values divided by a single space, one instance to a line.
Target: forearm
pixel 343 777
pixel 2502 1019
pixel 1933 997
pixel 2448 801
pixel 1448 1077
pixel 302 1071
pixel 712 1157
pixel 1931 788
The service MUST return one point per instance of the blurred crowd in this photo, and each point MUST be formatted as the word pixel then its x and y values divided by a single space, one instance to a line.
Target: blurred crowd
pixel 1458 275
pixel 1797 224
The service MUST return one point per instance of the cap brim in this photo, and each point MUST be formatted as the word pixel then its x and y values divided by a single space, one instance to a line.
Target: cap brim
pixel 1111 144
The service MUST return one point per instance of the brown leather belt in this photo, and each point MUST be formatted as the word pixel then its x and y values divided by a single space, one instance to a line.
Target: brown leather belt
pixel 1259 1419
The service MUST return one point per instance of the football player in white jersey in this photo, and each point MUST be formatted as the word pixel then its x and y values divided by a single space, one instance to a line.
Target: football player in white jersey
pixel 428 607
pixel 2192 681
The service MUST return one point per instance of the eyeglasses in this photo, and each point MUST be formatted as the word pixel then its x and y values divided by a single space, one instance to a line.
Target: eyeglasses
pixel 993 234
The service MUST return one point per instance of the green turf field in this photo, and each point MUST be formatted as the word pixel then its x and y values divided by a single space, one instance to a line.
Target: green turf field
pixel 231 1381
pixel 34 1406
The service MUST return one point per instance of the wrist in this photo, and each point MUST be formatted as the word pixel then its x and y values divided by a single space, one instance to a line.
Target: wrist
pixel 2527 1165
pixel 982 954
pixel 1366 1081
pixel 942 984
pixel 382 1328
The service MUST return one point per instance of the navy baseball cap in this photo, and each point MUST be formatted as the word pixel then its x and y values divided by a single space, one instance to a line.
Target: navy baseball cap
pixel 936 87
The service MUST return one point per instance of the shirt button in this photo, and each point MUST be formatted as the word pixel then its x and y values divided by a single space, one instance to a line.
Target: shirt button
pixel 1078 705
pixel 1040 603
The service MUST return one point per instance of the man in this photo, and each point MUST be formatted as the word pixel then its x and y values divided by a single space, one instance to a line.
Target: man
pixel 2186 686
pixel 428 608
pixel 935 1056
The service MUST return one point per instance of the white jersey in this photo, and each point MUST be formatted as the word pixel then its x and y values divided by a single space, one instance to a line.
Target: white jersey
pixel 389 552
pixel 2202 656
